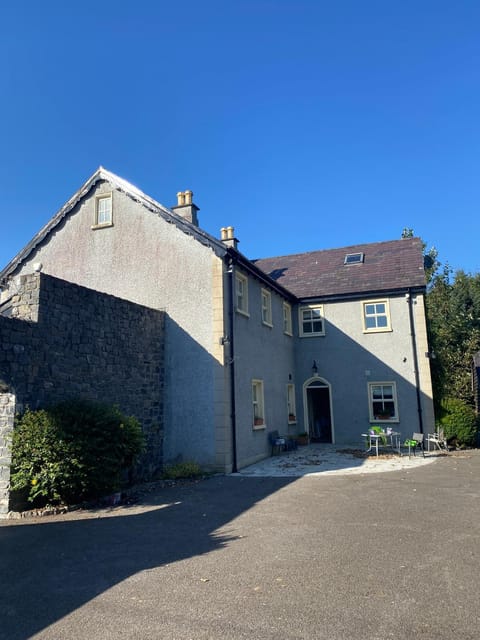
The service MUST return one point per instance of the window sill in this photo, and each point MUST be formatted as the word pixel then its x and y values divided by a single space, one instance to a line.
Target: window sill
pixel 288 333
pixel 267 324
pixel 240 312
pixel 259 427
pixel 383 330
pixel 102 226
pixel 312 335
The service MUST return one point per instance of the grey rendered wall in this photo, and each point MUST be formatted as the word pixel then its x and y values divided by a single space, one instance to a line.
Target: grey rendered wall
pixel 264 353
pixel 145 259
pixel 349 359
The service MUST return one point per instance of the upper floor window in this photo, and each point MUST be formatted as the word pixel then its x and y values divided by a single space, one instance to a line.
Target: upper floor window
pixel 287 319
pixel 103 210
pixel 311 321
pixel 266 307
pixel 383 401
pixel 241 292
pixel 258 404
pixel 376 316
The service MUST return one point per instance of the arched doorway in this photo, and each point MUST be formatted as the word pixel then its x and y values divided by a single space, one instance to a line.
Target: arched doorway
pixel 317 401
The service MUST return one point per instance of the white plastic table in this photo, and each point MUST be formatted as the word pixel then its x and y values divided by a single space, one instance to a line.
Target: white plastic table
pixel 386 440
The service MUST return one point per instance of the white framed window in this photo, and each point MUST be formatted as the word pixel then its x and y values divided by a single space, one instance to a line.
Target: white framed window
pixel 292 414
pixel 241 293
pixel 353 258
pixel 311 321
pixel 258 404
pixel 376 316
pixel 383 401
pixel 287 319
pixel 103 210
pixel 266 307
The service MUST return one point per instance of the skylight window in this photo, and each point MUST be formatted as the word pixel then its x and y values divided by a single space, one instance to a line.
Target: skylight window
pixel 353 258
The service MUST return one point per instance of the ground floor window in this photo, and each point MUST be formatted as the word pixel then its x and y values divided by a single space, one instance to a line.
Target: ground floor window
pixel 258 404
pixel 292 414
pixel 383 401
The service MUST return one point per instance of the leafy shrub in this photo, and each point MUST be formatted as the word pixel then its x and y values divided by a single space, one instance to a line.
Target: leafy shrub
pixel 459 422
pixel 73 451
pixel 187 469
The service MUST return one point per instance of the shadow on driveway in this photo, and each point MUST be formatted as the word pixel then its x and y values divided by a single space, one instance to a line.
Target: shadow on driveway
pixel 52 567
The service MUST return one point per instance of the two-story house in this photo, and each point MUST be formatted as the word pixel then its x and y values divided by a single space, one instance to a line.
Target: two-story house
pixel 326 342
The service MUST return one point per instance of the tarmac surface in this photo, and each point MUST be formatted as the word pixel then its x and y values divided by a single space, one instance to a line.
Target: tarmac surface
pixel 328 556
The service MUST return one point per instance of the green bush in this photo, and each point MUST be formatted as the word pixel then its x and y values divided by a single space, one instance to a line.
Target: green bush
pixel 187 469
pixel 459 422
pixel 73 451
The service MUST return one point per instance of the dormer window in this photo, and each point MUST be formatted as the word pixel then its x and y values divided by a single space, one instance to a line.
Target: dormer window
pixel 354 258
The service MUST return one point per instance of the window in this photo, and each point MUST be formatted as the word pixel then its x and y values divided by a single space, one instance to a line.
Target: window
pixel 353 258
pixel 257 403
pixel 103 210
pixel 287 319
pixel 241 291
pixel 311 321
pixel 383 401
pixel 292 414
pixel 266 307
pixel 376 316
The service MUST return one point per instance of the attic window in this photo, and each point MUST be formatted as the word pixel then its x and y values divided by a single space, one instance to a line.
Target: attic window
pixel 353 258
pixel 103 211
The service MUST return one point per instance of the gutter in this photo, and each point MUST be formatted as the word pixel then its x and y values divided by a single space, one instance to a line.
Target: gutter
pixel 415 359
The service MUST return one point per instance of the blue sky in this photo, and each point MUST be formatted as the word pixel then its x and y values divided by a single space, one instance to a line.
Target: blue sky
pixel 303 124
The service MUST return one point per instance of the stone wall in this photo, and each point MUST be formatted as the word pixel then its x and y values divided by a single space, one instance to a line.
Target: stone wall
pixel 7 412
pixel 59 340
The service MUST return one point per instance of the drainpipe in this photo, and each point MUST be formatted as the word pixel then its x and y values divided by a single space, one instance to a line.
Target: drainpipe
pixel 415 359
pixel 231 318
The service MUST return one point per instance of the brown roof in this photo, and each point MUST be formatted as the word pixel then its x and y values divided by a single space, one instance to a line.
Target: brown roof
pixel 387 266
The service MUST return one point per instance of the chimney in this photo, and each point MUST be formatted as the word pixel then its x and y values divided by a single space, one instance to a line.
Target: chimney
pixel 227 237
pixel 185 207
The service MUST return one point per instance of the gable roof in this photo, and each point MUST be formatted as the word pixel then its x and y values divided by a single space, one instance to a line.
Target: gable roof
pixel 131 191
pixel 390 266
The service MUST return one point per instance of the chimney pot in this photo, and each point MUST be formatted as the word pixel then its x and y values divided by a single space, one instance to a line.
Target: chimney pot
pixel 185 207
pixel 228 237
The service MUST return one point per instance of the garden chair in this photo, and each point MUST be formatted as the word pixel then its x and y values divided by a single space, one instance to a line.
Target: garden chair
pixel 277 442
pixel 438 439
pixel 416 441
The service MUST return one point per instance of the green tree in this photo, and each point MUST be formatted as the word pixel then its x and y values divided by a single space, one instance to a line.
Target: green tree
pixel 453 321
pixel 453 313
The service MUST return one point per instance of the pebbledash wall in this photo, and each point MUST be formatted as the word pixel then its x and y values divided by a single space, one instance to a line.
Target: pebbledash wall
pixel 59 340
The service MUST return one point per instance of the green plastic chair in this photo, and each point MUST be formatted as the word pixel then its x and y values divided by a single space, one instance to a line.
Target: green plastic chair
pixel 414 443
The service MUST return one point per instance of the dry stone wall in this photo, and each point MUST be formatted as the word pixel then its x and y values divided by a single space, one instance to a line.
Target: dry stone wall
pixel 59 340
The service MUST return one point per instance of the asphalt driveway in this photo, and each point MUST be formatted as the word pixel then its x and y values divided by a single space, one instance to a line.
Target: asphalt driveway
pixel 364 556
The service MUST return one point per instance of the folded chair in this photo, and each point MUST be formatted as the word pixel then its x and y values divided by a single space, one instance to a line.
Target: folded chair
pixel 416 441
pixel 438 439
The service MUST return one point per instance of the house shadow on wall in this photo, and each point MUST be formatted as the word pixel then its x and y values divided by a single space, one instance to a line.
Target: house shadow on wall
pixel 348 368
pixel 50 569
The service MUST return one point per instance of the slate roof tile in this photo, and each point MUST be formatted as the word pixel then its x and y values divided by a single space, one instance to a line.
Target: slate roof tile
pixel 387 266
